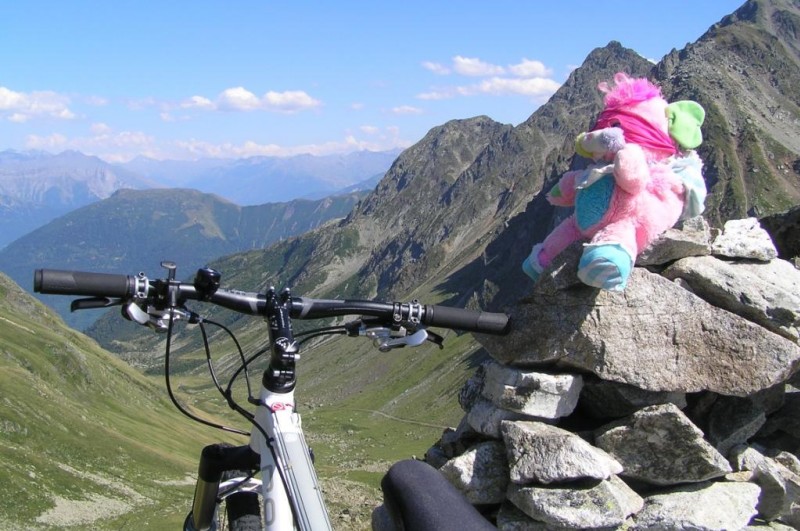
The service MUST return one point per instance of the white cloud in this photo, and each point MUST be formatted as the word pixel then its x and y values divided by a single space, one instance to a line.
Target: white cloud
pixel 238 99
pixel 436 68
pixel 100 128
pixel 406 109
pixel 10 99
pixel 102 141
pixel 96 101
pixel 472 66
pixel 529 68
pixel 21 106
pixel 525 87
pixel 242 100
pixel 289 101
pixel 198 102
pixel 437 94
pixel 197 149
pixel 125 145
pixel 529 78
pixel 54 141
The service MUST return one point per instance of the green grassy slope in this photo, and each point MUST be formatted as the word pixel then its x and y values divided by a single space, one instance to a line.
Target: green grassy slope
pixel 88 442
pixel 85 440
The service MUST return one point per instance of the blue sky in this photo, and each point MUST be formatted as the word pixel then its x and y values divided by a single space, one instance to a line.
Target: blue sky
pixel 182 80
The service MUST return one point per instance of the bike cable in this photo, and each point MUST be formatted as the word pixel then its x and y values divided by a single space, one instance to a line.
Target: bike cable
pixel 172 397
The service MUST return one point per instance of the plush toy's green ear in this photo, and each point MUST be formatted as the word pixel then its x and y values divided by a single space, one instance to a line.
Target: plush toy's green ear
pixel 685 118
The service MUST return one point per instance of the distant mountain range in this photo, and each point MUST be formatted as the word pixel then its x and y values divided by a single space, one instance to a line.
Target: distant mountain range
pixel 37 187
pixel 258 180
pixel 135 230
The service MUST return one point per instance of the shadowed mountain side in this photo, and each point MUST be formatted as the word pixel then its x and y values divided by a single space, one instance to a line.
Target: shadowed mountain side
pixel 745 72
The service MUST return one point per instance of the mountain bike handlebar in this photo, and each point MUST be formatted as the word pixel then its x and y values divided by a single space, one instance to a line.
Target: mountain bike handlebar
pixel 138 287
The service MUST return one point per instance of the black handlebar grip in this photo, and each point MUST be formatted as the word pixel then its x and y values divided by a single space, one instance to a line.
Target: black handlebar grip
pixel 59 282
pixel 467 320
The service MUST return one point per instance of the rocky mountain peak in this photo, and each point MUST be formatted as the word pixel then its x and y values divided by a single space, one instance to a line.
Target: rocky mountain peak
pixel 428 167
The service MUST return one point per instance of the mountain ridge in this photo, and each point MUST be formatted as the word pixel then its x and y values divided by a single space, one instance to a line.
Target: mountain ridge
pixel 37 187
pixel 185 226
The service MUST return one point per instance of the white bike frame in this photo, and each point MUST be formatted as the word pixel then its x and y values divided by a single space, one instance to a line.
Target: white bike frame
pixel 293 477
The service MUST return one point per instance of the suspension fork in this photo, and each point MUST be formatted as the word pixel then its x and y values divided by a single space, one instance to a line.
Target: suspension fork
pixel 214 461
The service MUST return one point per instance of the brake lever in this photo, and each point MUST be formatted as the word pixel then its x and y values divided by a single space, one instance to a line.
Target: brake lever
pixel 94 302
pixel 386 338
pixel 436 339
pixel 158 320
pixel 384 341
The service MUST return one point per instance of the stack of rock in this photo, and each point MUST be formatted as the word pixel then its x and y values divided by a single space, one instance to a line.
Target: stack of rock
pixel 671 405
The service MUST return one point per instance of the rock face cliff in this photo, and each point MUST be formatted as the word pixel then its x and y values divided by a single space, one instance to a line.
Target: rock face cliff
pixel 672 405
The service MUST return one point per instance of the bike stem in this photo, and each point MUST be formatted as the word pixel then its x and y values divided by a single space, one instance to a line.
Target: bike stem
pixel 280 376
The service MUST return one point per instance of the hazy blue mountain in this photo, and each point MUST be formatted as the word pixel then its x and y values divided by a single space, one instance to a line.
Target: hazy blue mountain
pixel 258 180
pixel 37 187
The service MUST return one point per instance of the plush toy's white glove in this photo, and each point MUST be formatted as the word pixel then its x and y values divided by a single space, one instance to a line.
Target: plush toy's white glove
pixel 600 144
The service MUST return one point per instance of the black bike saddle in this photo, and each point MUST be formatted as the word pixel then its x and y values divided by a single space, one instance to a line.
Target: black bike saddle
pixel 417 497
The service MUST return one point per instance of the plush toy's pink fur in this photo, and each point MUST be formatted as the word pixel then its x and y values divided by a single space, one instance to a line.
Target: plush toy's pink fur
pixel 647 202
pixel 637 106
pixel 648 196
pixel 627 91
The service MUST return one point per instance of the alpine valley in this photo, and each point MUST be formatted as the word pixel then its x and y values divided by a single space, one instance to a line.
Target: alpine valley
pixel 449 222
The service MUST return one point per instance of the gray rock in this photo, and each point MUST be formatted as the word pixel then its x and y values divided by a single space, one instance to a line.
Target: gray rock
pixel 780 486
pixel 540 453
pixel 693 238
pixel 765 293
pixel 768 526
pixel 471 390
pixel 789 460
pixel 744 238
pixel 481 473
pixel 680 344
pixel 659 445
pixel 436 456
pixel 746 458
pixel 733 421
pixel 532 393
pixel 510 518
pixel 584 505
pixel 485 418
pixel 719 506
pixel 787 418
pixel 456 441
pixel 784 229
pixel 603 399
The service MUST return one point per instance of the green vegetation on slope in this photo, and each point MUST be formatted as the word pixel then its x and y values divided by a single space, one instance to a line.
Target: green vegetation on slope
pixel 85 440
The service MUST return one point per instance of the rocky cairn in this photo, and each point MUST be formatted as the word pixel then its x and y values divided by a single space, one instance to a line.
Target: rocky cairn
pixel 671 405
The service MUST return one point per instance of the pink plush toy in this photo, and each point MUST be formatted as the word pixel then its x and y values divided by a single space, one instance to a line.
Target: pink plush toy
pixel 645 178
